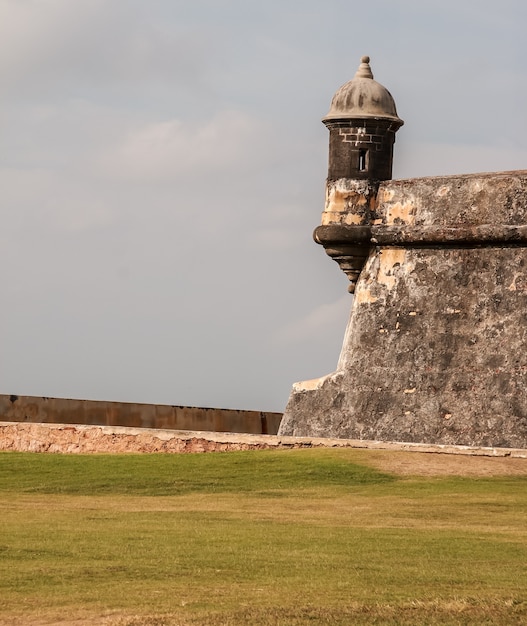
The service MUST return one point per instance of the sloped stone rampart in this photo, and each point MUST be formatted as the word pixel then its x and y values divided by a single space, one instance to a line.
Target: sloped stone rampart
pixel 436 346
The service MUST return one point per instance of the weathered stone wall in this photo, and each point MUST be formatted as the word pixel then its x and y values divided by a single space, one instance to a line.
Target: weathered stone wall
pixel 82 439
pixel 62 411
pixel 79 439
pixel 436 346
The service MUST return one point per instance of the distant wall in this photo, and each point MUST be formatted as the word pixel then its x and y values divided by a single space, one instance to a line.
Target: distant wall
pixel 62 411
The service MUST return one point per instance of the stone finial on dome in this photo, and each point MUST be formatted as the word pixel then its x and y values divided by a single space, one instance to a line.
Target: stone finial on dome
pixel 364 70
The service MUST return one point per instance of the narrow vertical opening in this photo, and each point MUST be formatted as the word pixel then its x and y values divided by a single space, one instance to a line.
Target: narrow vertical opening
pixel 362 160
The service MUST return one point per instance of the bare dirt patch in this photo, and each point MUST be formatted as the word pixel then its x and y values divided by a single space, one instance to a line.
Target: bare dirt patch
pixel 436 464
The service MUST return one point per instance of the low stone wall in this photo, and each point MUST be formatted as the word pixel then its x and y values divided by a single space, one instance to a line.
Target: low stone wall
pixel 63 411
pixel 78 439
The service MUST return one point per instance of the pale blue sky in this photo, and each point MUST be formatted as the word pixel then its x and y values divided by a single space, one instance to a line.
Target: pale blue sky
pixel 162 167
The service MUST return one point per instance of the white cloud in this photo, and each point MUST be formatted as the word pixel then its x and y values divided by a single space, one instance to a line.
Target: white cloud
pixel 37 202
pixel 81 44
pixel 318 324
pixel 438 159
pixel 173 149
pixel 33 32
pixel 274 238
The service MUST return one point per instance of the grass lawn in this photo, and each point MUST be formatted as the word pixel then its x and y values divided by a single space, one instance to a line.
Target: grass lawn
pixel 272 537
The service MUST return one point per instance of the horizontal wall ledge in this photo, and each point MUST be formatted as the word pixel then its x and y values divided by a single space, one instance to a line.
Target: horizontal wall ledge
pixel 414 235
pixel 484 234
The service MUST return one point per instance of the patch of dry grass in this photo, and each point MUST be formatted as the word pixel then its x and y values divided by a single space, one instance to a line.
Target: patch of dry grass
pixel 421 464
pixel 299 537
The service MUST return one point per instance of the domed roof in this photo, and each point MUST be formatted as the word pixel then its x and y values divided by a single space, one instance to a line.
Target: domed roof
pixel 363 97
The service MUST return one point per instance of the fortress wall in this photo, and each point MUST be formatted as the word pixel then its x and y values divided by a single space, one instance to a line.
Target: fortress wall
pixel 64 411
pixel 436 346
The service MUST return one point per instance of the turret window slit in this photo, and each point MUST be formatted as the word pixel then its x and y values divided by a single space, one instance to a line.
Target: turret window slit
pixel 362 160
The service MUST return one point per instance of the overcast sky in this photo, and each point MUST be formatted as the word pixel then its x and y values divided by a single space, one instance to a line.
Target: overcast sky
pixel 162 168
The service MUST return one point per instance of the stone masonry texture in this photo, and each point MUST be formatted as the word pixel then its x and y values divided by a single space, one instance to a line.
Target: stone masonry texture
pixel 436 346
pixel 81 439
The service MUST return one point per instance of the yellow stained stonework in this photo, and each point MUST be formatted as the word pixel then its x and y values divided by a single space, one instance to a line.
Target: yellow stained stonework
pixel 401 213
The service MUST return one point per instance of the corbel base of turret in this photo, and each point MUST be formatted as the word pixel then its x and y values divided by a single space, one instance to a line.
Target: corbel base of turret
pixel 348 245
